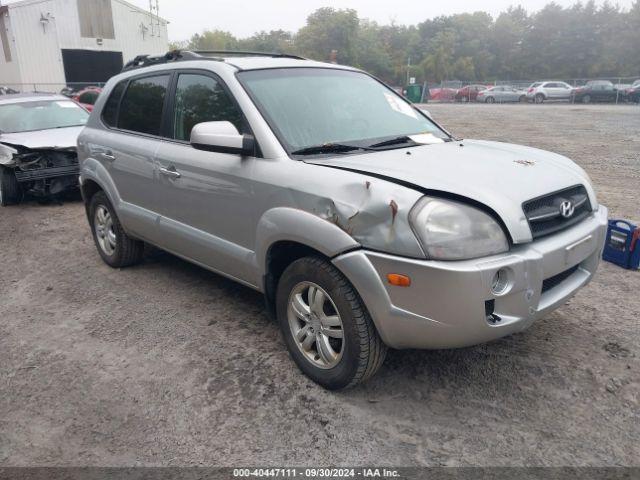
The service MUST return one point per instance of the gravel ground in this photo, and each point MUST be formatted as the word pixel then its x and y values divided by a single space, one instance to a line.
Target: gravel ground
pixel 168 364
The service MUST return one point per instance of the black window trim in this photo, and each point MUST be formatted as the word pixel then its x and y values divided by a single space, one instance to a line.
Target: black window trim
pixel 128 80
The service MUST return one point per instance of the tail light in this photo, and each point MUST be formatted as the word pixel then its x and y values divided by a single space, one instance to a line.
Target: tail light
pixel 531 90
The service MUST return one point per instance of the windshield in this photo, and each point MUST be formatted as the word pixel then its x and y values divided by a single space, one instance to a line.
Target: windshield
pixel 40 115
pixel 309 107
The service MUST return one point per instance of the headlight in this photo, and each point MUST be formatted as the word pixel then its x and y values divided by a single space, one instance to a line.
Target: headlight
pixel 454 231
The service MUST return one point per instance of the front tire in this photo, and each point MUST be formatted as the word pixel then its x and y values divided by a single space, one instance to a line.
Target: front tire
pixel 115 247
pixel 10 191
pixel 325 325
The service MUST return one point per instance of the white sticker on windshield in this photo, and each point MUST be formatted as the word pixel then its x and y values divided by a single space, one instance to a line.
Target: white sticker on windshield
pixel 65 104
pixel 426 138
pixel 400 106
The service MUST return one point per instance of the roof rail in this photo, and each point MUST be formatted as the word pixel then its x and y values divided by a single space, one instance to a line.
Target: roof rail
pixel 183 55
pixel 172 56
pixel 245 53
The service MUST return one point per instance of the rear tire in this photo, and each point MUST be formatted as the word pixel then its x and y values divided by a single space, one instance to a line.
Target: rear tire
pixel 586 99
pixel 356 350
pixel 10 190
pixel 490 100
pixel 115 247
pixel 539 98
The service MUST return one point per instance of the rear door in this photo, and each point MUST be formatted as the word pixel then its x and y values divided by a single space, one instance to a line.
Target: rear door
pixel 134 115
pixel 205 198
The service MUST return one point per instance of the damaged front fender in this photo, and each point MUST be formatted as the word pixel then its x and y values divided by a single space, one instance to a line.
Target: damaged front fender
pixel 7 155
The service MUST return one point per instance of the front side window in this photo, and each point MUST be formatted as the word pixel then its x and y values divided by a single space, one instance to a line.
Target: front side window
pixel 200 98
pixel 308 107
pixel 41 115
pixel 142 104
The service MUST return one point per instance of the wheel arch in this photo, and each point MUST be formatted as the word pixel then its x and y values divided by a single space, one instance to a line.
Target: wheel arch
pixel 286 234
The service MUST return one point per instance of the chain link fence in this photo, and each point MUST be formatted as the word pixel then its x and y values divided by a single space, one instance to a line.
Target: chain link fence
pixel 523 90
pixel 68 89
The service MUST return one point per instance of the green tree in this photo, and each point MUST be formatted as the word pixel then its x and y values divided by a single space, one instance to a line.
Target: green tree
pixel 328 29
pixel 213 40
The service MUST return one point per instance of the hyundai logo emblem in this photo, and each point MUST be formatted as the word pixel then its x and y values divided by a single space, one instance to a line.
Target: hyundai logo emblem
pixel 566 209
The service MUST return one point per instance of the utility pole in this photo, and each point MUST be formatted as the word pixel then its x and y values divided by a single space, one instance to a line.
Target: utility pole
pixel 408 69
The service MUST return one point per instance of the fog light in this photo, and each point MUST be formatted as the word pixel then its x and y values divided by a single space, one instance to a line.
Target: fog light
pixel 500 282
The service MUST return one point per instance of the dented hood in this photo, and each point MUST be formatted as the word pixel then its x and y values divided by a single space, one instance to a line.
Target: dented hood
pixel 51 139
pixel 499 175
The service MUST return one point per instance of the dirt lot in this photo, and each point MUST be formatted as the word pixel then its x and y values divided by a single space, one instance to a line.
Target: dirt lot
pixel 167 364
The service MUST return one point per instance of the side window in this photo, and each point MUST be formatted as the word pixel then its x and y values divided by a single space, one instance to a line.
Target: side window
pixel 141 107
pixel 110 111
pixel 200 98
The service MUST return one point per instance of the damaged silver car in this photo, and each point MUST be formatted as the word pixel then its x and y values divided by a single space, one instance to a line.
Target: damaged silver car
pixel 365 224
pixel 38 137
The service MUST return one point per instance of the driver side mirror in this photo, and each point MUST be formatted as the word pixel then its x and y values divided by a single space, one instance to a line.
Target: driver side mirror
pixel 222 137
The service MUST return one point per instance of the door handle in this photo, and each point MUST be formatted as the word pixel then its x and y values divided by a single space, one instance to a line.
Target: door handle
pixel 170 172
pixel 108 155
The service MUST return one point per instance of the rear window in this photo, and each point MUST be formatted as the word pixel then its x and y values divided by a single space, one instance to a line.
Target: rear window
pixel 110 111
pixel 142 104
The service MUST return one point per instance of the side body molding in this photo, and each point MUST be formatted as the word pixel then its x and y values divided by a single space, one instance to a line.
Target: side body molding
pixel 294 225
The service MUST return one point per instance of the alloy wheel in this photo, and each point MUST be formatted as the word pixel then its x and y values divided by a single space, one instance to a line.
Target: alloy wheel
pixel 315 325
pixel 103 224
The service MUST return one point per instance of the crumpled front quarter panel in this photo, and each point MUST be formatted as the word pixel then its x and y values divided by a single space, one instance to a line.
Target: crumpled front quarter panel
pixel 374 212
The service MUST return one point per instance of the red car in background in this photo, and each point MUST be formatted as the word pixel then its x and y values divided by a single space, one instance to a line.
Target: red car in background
pixel 87 97
pixel 469 93
pixel 442 94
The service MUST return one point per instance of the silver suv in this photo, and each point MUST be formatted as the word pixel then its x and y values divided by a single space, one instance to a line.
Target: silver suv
pixel 538 92
pixel 365 224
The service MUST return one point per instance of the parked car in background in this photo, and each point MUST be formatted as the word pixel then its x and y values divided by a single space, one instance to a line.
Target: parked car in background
pixel 469 93
pixel 538 92
pixel 38 136
pixel 596 91
pixel 87 97
pixel 7 91
pixel 364 223
pixel 442 94
pixel 632 94
pixel 501 94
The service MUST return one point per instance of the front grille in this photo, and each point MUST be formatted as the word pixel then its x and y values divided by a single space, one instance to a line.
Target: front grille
pixel 42 173
pixel 545 214
pixel 556 280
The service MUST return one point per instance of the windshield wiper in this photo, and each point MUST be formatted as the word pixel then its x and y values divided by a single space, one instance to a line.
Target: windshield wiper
pixel 328 148
pixel 393 141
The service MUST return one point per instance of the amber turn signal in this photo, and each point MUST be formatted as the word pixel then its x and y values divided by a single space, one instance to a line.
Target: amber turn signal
pixel 398 280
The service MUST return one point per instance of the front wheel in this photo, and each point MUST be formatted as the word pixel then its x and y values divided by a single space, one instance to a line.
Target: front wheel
pixel 10 191
pixel 326 327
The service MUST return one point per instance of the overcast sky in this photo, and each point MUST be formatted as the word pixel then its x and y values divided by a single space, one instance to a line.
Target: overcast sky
pixel 245 17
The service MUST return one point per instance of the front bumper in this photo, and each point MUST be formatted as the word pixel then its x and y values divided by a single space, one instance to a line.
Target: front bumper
pixel 445 305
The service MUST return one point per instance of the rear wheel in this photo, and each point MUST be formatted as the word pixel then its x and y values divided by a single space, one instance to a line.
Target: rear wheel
pixel 539 98
pixel 586 99
pixel 490 100
pixel 115 247
pixel 326 327
pixel 10 191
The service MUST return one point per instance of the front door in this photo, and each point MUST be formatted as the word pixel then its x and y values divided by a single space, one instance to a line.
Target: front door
pixel 205 198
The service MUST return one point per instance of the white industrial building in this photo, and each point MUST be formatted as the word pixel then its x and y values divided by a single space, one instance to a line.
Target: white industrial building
pixel 47 44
